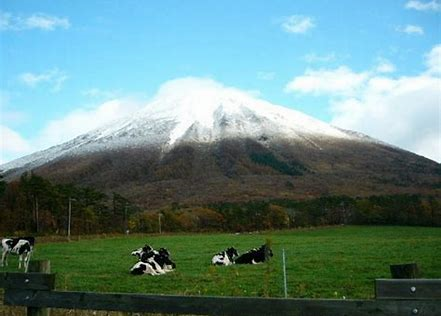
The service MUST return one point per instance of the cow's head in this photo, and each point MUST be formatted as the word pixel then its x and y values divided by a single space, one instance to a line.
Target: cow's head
pixel 147 248
pixel 146 255
pixel 266 251
pixel 270 252
pixel 9 242
pixel 164 252
pixel 139 252
pixel 168 263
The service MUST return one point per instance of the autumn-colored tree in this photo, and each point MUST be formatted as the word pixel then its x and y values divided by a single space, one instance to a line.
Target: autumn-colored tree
pixel 276 217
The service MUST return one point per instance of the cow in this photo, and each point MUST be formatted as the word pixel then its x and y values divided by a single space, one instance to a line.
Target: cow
pixel 21 246
pixel 151 268
pixel 151 261
pixel 255 256
pixel 161 257
pixel 225 258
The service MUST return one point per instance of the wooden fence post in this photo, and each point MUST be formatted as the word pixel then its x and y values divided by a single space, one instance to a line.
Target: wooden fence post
pixel 42 266
pixel 404 271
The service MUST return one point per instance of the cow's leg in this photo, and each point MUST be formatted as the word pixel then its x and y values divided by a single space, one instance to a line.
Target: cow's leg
pixel 26 260
pixel 4 254
pixel 158 269
pixel 20 259
pixel 150 270
pixel 5 258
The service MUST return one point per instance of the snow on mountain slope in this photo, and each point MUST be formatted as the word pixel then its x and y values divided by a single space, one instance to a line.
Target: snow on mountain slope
pixel 193 110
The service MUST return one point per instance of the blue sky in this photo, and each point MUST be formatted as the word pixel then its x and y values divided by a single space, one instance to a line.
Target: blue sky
pixel 66 66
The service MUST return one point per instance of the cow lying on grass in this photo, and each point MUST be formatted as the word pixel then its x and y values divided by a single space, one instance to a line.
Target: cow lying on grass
pixel 255 256
pixel 225 258
pixel 152 262
pixel 21 246
pixel 138 252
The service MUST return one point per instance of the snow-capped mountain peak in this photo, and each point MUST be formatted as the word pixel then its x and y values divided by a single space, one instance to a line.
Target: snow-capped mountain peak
pixel 226 112
pixel 193 110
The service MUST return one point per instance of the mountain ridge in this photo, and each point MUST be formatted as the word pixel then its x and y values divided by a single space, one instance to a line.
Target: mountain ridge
pixel 198 142
pixel 214 113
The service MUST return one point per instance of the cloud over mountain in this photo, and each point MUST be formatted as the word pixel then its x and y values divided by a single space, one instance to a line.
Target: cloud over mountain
pixel 400 110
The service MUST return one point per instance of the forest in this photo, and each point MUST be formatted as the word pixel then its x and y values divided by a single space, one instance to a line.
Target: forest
pixel 35 205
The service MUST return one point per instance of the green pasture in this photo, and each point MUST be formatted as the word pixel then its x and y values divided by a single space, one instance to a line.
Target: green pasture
pixel 331 262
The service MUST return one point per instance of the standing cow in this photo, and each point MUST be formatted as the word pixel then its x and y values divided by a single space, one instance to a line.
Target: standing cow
pixel 21 246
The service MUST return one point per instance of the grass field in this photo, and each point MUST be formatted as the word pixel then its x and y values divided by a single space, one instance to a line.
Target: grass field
pixel 323 262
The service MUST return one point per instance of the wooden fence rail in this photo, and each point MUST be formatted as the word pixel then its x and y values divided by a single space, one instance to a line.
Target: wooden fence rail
pixel 393 298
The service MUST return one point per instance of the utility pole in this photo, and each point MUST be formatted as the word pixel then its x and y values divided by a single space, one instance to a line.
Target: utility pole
pixel 159 222
pixel 285 287
pixel 36 215
pixel 69 217
pixel 125 219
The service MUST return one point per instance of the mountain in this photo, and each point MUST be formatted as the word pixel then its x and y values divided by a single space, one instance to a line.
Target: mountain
pixel 198 141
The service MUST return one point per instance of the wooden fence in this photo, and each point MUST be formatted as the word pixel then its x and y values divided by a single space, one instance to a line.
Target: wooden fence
pixel 393 298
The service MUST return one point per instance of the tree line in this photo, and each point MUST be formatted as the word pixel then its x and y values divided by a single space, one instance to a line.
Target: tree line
pixel 34 205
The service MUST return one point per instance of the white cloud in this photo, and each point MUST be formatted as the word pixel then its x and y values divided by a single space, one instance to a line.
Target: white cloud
pixel 433 60
pixel 5 20
pixel 12 143
pixel 411 29
pixel 83 120
pixel 298 24
pixel 32 80
pixel 55 78
pixel 424 6
pixel 385 66
pixel 35 21
pixel 265 75
pixel 65 128
pixel 46 22
pixel 254 93
pixel 403 111
pixel 341 80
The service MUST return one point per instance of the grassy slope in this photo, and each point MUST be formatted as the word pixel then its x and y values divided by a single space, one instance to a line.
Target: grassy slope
pixel 329 262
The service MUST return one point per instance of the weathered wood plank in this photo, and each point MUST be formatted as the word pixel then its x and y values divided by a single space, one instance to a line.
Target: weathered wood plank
pixel 2 279
pixel 408 289
pixel 42 266
pixel 220 305
pixel 404 271
pixel 29 281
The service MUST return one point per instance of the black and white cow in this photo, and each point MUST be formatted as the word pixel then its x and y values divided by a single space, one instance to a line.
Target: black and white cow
pixel 21 246
pixel 225 258
pixel 255 256
pixel 152 262
pixel 149 267
pixel 161 257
